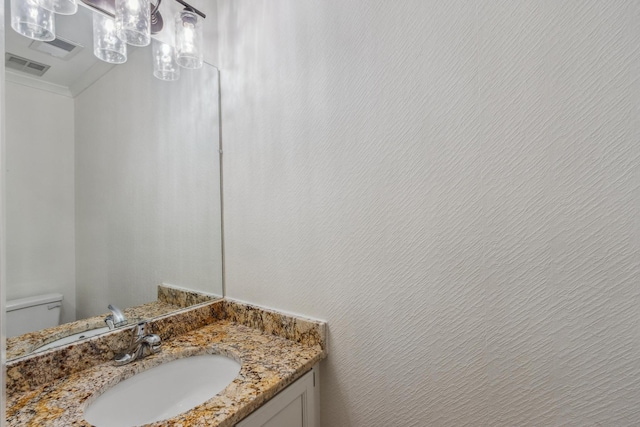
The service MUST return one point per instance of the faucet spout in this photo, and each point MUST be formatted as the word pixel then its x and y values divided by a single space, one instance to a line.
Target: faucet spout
pixel 116 318
pixel 142 344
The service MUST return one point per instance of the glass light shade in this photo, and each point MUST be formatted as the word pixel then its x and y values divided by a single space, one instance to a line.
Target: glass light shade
pixel 31 19
pixel 189 39
pixel 165 66
pixel 107 46
pixel 133 21
pixel 65 7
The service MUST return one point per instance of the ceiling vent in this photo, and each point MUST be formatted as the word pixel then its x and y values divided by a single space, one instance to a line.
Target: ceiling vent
pixel 58 48
pixel 25 65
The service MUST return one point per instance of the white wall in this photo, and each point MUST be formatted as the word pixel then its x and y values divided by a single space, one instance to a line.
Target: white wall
pixel 40 195
pixel 454 187
pixel 147 185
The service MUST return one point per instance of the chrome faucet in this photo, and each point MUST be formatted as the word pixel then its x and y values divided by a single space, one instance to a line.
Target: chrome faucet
pixel 116 318
pixel 142 344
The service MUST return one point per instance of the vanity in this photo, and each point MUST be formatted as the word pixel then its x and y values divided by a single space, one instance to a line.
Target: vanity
pixel 277 383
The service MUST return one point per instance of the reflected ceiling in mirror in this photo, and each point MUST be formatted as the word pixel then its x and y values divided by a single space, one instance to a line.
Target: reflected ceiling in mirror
pixel 71 68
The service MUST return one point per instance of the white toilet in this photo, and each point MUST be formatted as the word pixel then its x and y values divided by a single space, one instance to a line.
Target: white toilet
pixel 33 313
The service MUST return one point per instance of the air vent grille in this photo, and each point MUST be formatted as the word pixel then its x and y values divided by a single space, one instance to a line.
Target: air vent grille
pixel 58 48
pixel 18 62
pixel 37 67
pixel 24 65
pixel 62 44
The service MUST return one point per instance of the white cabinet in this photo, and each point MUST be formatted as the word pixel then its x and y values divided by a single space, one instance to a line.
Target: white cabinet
pixel 296 406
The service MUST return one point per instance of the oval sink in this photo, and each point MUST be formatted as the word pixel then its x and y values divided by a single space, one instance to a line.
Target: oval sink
pixel 163 391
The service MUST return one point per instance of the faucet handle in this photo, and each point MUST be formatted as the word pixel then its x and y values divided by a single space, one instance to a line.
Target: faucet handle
pixel 109 321
pixel 139 330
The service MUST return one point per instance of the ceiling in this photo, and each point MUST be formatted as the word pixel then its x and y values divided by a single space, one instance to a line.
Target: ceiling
pixel 70 76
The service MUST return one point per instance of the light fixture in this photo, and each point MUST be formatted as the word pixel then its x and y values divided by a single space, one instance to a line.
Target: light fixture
pixel 165 66
pixel 116 23
pixel 107 46
pixel 188 39
pixel 133 21
pixel 33 19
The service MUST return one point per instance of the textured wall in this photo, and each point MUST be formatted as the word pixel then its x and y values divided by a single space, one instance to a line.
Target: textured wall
pixel 147 185
pixel 40 198
pixel 455 187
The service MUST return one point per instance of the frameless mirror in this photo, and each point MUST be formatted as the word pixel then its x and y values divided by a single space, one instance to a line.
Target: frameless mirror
pixel 112 182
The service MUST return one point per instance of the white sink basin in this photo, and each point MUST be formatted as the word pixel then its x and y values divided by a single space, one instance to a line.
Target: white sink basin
pixel 163 391
pixel 72 338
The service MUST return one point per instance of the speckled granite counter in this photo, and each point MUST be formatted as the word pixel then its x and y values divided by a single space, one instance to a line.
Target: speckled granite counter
pixel 274 351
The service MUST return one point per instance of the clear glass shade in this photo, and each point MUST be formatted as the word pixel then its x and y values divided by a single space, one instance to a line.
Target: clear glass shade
pixel 65 7
pixel 133 21
pixel 107 46
pixel 189 39
pixel 33 19
pixel 165 66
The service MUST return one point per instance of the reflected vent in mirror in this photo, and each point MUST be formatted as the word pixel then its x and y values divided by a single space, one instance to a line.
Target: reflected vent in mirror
pixel 58 47
pixel 25 65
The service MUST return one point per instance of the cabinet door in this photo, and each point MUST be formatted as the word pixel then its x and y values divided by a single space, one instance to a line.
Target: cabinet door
pixel 295 406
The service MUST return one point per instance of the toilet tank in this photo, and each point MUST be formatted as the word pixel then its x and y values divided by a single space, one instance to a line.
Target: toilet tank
pixel 33 313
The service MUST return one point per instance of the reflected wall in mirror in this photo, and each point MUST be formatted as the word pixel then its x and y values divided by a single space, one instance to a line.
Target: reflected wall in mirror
pixel 112 180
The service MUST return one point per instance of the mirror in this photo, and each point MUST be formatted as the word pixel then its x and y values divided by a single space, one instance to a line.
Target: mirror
pixel 112 182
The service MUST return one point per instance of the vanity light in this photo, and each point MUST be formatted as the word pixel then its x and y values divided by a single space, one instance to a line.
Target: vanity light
pixel 165 66
pixel 188 39
pixel 107 46
pixel 116 23
pixel 133 21
pixel 33 19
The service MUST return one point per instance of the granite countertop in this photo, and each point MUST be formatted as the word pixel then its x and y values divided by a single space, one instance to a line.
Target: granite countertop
pixel 273 349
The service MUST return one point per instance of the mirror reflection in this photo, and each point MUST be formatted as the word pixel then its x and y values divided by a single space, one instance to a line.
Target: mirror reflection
pixel 112 189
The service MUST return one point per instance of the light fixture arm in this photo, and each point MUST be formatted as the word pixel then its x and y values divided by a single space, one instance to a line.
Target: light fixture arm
pixel 156 7
pixel 109 6
pixel 191 8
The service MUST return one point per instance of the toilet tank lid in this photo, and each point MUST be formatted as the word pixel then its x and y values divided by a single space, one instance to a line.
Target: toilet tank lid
pixel 16 304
